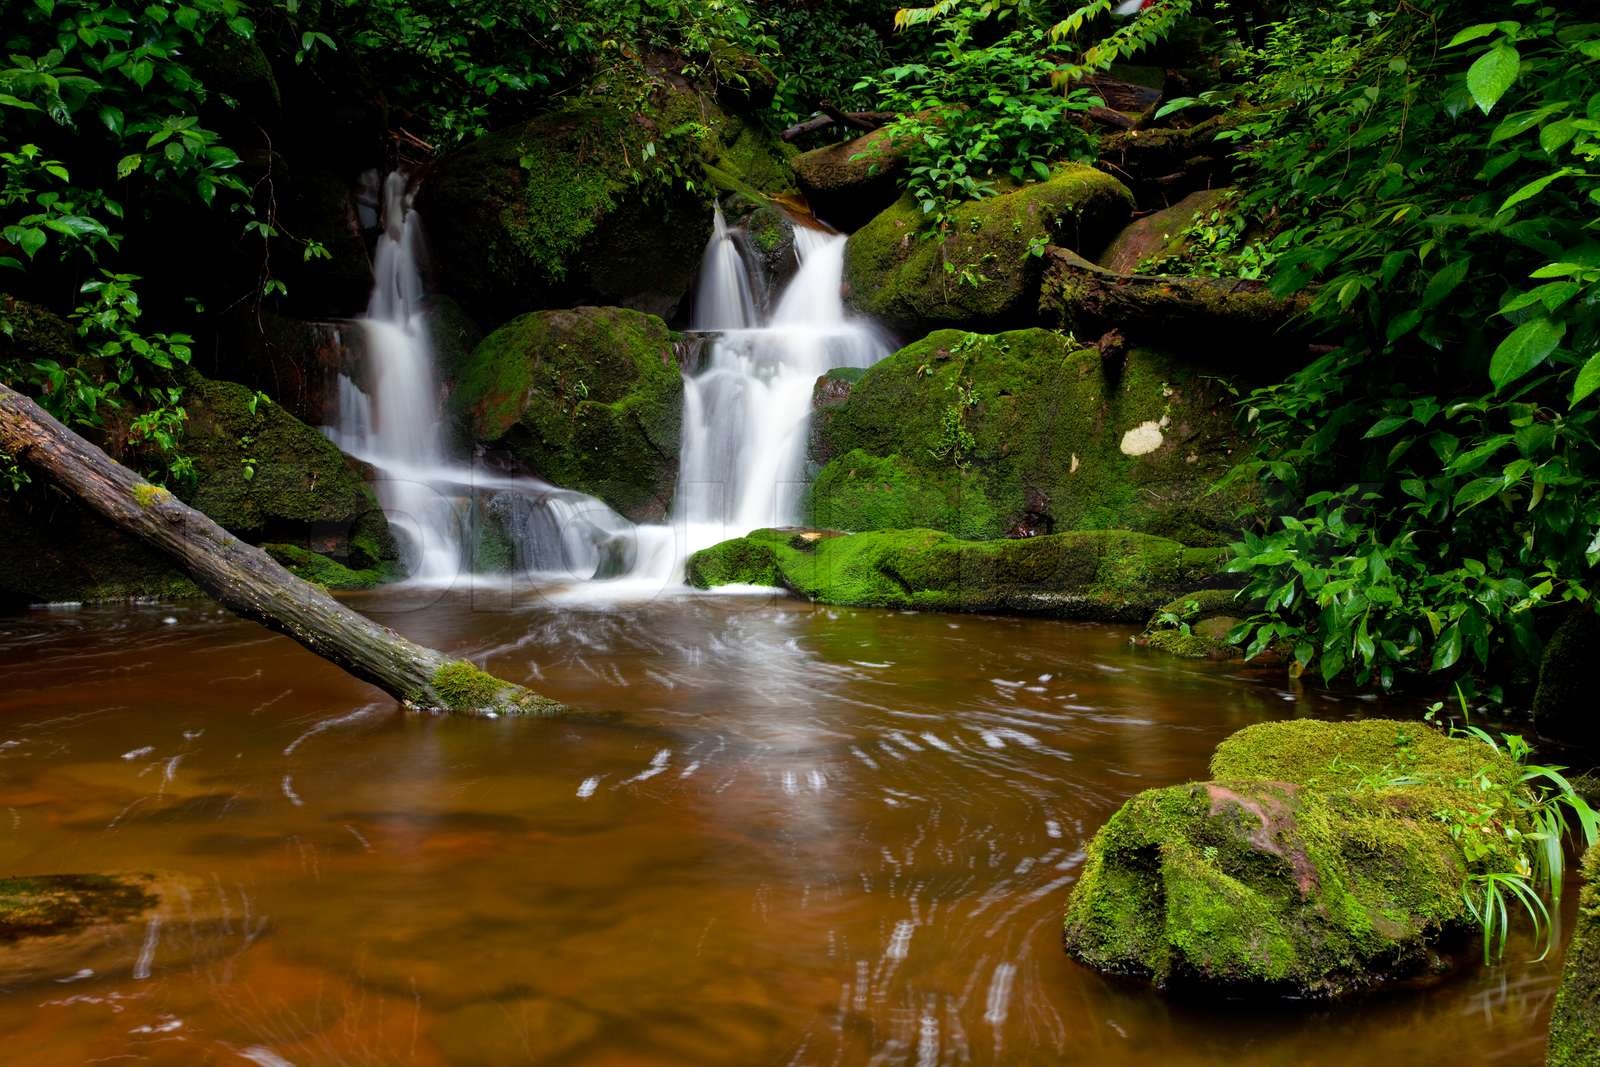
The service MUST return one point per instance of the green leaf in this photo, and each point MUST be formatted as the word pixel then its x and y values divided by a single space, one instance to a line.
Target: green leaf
pixel 1588 380
pixel 1445 281
pixel 1493 74
pixel 1524 349
pixel 1532 189
pixel 128 164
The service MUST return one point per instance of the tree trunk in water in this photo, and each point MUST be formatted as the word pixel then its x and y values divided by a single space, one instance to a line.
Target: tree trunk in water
pixel 245 579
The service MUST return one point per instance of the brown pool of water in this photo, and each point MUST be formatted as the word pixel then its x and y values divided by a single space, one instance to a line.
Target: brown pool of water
pixel 774 834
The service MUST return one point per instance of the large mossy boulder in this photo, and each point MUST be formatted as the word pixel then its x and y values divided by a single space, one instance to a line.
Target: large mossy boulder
pixel 985 274
pixel 1575 1020
pixel 1563 705
pixel 588 203
pixel 847 184
pixel 1109 576
pixel 1315 862
pixel 588 399
pixel 1026 432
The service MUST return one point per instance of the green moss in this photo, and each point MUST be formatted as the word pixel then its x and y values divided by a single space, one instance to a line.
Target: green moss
pixel 1196 625
pixel 330 573
pixel 1046 429
pixel 1312 865
pixel 1575 1020
pixel 263 471
pixel 463 687
pixel 49 905
pixel 592 202
pixel 899 276
pixel 148 496
pixel 590 399
pixel 1085 575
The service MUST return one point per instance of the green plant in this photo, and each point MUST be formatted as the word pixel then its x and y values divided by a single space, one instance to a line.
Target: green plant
pixel 1426 173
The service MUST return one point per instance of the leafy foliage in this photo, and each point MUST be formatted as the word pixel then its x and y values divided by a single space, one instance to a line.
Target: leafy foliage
pixel 1428 170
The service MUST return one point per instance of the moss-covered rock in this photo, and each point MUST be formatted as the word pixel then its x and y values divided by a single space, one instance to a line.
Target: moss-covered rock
pixel 1314 863
pixel 589 399
pixel 1026 432
pixel 1575 1020
pixel 1159 234
pixel 51 905
pixel 1196 625
pixel 1113 576
pixel 261 472
pixel 905 279
pixel 330 573
pixel 847 184
pixel 588 203
pixel 1563 705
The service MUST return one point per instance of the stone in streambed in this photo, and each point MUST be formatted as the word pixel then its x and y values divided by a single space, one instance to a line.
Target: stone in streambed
pixel 847 184
pixel 1160 233
pixel 1102 575
pixel 1313 865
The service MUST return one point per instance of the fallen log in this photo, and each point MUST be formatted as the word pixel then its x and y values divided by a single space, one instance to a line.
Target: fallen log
pixel 245 579
pixel 1230 315
pixel 832 116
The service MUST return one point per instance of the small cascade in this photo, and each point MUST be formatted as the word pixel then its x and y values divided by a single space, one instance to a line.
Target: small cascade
pixel 393 421
pixel 747 414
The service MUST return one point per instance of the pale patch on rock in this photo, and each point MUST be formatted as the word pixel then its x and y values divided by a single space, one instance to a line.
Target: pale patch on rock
pixel 1143 438
pixel 1074 467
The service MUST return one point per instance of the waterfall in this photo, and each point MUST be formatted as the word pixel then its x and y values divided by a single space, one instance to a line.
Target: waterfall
pixel 746 423
pixel 393 420
pixel 747 414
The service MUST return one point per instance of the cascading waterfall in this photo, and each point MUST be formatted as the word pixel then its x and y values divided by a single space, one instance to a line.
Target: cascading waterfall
pixel 746 421
pixel 395 424
pixel 747 415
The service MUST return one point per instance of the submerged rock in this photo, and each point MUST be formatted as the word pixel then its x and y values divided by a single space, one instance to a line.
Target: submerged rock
pixel 586 203
pixel 1083 575
pixel 1575 1020
pixel 847 184
pixel 986 273
pixel 588 399
pixel 1314 863
pixel 984 435
pixel 59 926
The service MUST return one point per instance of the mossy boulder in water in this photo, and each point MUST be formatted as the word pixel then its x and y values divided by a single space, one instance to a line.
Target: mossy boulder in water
pixel 1197 624
pixel 1026 432
pixel 1314 863
pixel 1083 575
pixel 589 399
pixel 588 203
pixel 904 278
pixel 1575 1021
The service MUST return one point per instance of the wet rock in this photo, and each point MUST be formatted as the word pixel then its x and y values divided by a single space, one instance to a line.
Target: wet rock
pixel 572 207
pixel 847 184
pixel 589 399
pixel 900 277
pixel 120 924
pixel 984 435
pixel 1197 624
pixel 295 361
pixel 1575 1020
pixel 1313 865
pixel 1160 233
pixel 1563 705
pixel 1110 576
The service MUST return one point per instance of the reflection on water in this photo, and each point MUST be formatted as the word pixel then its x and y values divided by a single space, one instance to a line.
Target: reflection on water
pixel 776 834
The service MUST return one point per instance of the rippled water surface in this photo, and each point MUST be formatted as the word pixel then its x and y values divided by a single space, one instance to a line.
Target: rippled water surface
pixel 776 834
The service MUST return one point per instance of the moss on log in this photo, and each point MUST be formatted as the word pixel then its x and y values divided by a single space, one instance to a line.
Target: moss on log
pixel 245 579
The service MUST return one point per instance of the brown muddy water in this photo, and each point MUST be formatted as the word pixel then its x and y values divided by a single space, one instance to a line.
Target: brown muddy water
pixel 778 834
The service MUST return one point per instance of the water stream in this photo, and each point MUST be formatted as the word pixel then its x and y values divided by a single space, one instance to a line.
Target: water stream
pixel 777 835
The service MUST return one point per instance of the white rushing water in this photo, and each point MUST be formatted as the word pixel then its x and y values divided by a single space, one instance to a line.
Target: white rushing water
pixel 746 423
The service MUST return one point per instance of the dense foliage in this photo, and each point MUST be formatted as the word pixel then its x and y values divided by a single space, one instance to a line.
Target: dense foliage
pixel 1428 170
